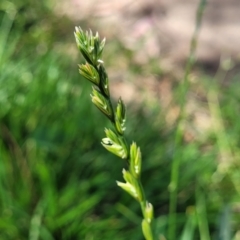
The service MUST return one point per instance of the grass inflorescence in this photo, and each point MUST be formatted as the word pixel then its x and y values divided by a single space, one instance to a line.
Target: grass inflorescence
pixel 93 70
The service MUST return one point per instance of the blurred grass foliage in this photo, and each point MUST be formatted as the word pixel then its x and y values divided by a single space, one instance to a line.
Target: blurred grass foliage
pixel 56 181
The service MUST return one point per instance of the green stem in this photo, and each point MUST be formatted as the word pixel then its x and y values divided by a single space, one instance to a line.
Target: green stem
pixel 202 215
pixel 173 187
pixel 143 203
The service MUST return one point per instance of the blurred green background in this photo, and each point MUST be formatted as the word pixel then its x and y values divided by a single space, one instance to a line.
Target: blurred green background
pixel 57 182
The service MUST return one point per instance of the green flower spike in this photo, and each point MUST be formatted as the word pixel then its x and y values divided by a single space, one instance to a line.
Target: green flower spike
pixel 120 117
pixel 146 228
pixel 104 81
pixel 149 212
pixel 89 45
pixel 115 144
pixel 131 186
pixel 90 73
pixel 128 186
pixel 93 70
pixel 135 160
pixel 101 103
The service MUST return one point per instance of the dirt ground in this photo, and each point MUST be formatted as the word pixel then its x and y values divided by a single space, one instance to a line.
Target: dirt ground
pixel 163 27
pixel 162 30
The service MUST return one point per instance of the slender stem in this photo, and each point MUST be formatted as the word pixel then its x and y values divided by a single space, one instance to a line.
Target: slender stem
pixel 143 203
pixel 202 215
pixel 173 187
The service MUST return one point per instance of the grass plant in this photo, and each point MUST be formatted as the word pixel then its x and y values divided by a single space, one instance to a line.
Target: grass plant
pixel 184 89
pixel 93 70
pixel 56 181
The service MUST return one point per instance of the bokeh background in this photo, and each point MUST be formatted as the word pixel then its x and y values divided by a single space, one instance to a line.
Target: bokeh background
pixel 57 182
